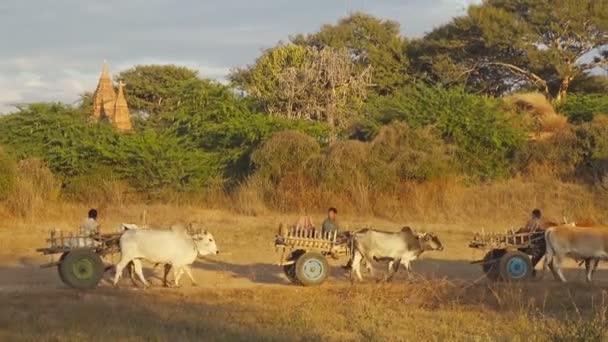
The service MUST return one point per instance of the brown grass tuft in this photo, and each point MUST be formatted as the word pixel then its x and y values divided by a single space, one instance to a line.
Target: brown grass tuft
pixel 35 189
pixel 539 113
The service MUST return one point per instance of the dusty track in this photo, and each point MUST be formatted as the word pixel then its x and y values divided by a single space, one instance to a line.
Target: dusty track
pixel 239 267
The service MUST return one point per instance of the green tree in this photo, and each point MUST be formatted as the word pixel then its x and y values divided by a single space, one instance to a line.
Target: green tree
pixel 484 136
pixel 152 89
pixel 370 42
pixel 213 118
pixel 590 84
pixel 506 44
pixel 148 159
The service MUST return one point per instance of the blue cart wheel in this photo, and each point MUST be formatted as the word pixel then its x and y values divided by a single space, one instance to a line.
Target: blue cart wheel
pixel 515 266
pixel 311 269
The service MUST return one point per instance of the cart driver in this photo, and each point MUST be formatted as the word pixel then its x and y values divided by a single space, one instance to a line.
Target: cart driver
pixel 539 246
pixel 90 226
pixel 330 225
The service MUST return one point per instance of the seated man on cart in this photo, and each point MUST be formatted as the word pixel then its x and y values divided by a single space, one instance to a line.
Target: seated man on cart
pixel 535 227
pixel 330 225
pixel 90 226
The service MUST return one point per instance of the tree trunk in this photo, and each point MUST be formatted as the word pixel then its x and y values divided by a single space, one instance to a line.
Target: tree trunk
pixel 563 89
pixel 333 133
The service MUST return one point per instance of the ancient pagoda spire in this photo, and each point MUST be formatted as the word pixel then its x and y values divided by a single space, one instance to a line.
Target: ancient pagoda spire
pixel 104 98
pixel 109 106
pixel 122 119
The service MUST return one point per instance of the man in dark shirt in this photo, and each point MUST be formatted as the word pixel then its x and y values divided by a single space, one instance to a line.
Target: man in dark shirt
pixel 534 224
pixel 330 225
pixel 539 246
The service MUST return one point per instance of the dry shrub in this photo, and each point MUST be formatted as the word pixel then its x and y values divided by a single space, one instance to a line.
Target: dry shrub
pixel 345 171
pixel 500 201
pixel 284 152
pixel 281 164
pixel 557 156
pixel 406 174
pixel 539 112
pixel 248 198
pixel 412 154
pixel 589 323
pixel 100 187
pixel 35 190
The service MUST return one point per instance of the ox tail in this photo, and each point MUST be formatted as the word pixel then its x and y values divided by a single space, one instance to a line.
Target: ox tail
pixel 549 250
pixel 351 248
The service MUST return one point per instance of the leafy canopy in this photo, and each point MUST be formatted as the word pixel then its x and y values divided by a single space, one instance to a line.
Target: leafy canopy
pixel 371 42
pixel 506 44
pixel 152 89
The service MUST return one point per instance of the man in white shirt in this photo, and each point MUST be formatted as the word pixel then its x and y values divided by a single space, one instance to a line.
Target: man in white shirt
pixel 90 226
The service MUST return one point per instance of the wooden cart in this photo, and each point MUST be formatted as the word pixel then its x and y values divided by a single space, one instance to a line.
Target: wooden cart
pixel 80 263
pixel 507 255
pixel 304 254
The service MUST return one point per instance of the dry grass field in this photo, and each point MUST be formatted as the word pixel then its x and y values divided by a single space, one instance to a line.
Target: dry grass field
pixel 243 295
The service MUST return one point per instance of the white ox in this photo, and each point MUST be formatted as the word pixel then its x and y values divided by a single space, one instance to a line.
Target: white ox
pixel 397 247
pixel 589 244
pixel 174 247
pixel 131 226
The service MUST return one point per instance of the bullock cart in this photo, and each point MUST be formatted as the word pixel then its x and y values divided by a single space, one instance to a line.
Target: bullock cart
pixel 304 254
pixel 80 263
pixel 507 255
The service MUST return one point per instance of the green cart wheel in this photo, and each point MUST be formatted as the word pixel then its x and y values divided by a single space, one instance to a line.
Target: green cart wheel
pixel 311 269
pixel 81 269
pixel 59 266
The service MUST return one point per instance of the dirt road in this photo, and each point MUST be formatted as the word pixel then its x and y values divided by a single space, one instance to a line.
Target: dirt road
pixel 245 266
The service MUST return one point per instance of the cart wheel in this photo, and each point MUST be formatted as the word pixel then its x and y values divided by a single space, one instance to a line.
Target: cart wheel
pixel 311 269
pixel 490 265
pixel 515 266
pixel 59 265
pixel 290 270
pixel 81 269
pixel 290 273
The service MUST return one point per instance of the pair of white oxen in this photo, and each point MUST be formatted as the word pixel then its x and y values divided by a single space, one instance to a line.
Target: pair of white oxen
pixel 176 248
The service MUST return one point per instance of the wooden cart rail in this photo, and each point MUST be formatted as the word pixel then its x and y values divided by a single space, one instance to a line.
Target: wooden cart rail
pixel 309 238
pixel 60 242
pixel 508 240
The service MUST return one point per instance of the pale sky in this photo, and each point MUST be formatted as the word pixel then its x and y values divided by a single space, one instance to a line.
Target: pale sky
pixel 52 50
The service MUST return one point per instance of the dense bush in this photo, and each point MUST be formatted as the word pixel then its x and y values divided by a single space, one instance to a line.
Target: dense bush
pixel 100 185
pixel 413 154
pixel 72 147
pixel 154 161
pixel 59 135
pixel 578 153
pixel 484 136
pixel 292 168
pixel 8 172
pixel 584 107
pixel 284 152
pixel 207 142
